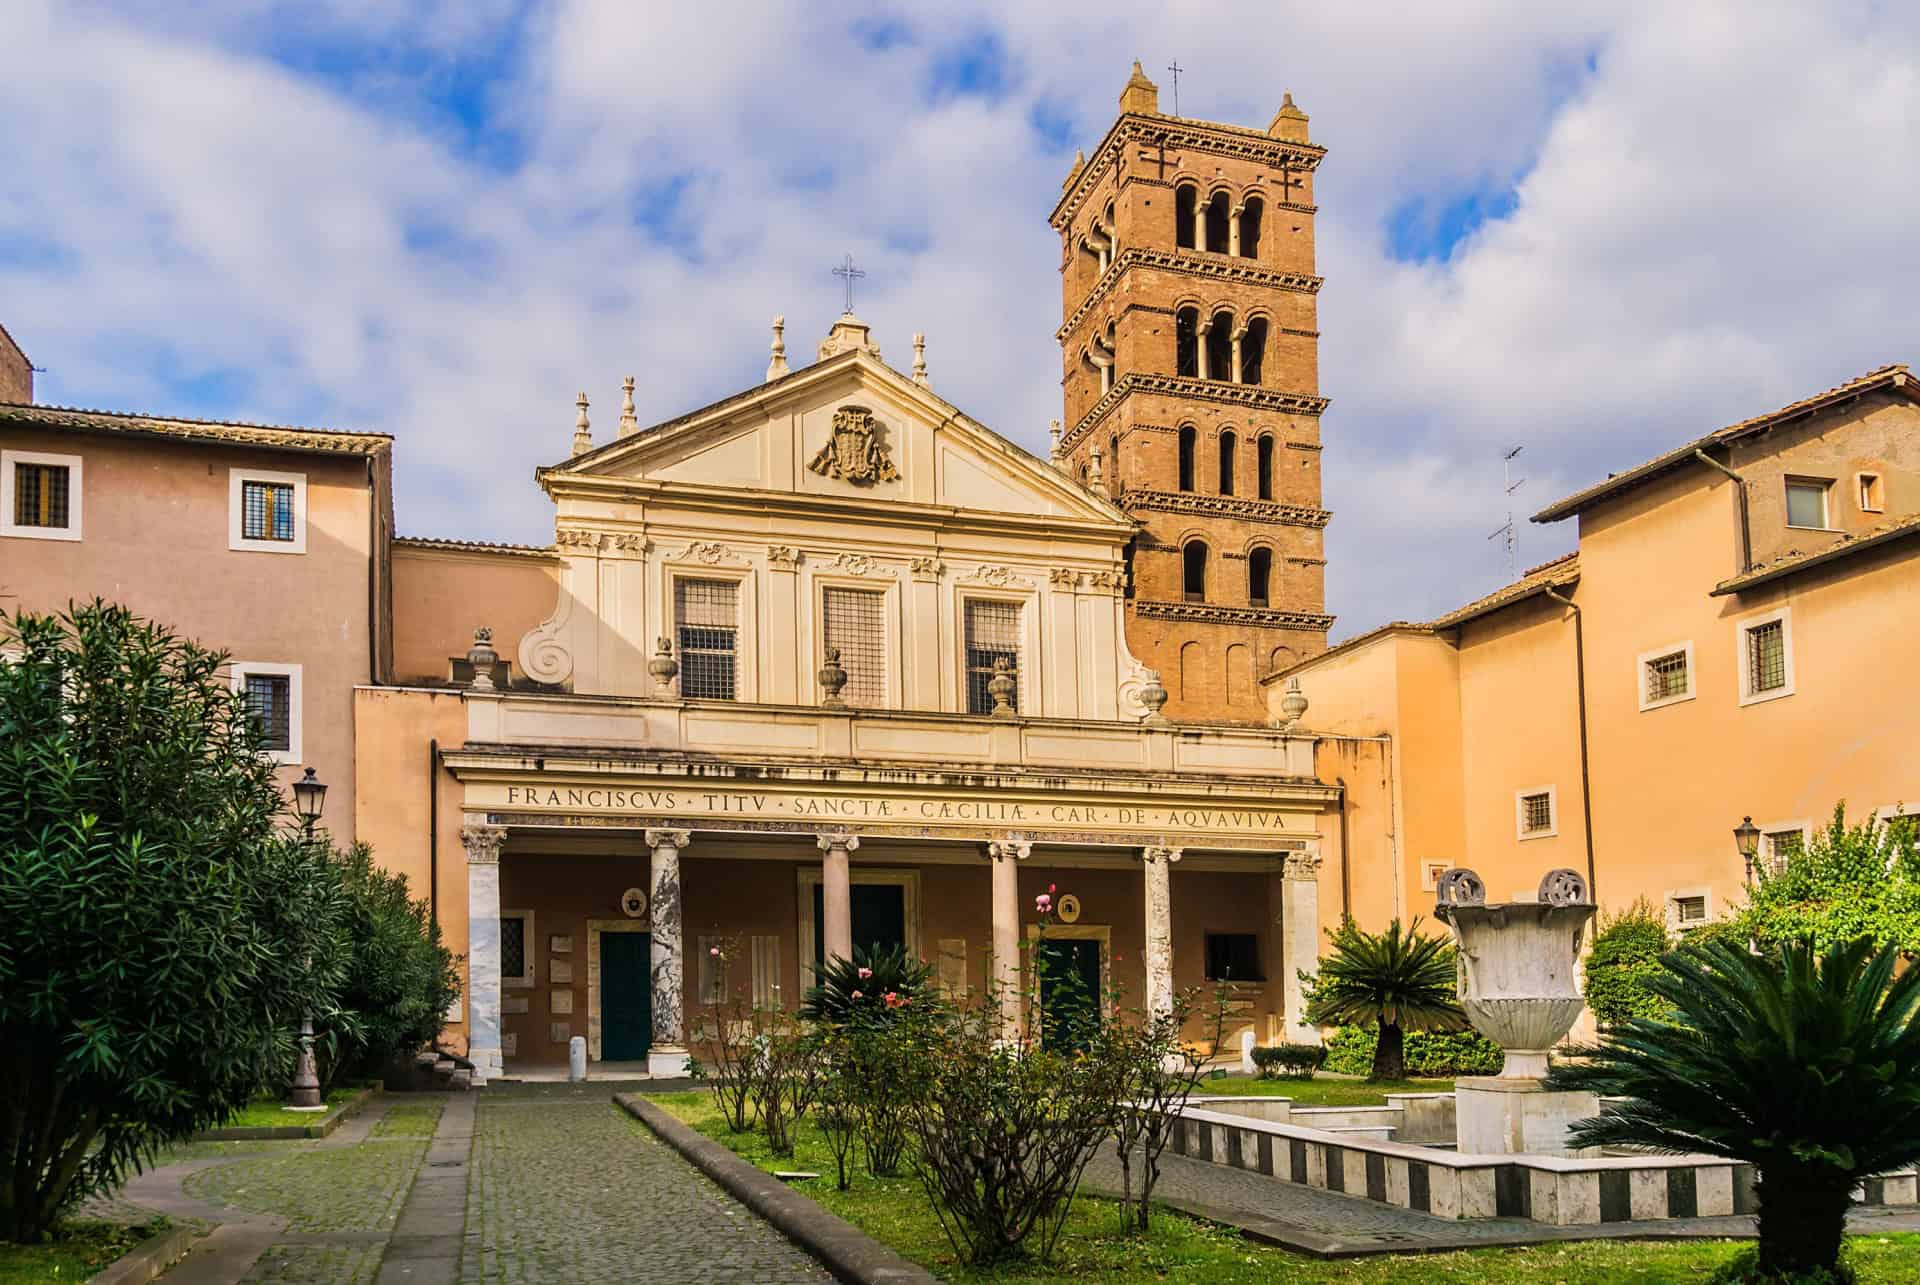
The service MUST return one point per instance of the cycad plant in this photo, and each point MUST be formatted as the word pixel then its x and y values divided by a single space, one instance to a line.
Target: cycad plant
pixel 1402 980
pixel 1803 1063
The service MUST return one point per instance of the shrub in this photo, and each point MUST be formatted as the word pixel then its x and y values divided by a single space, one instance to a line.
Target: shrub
pixel 850 990
pixel 1850 881
pixel 786 1075
pixel 1802 1061
pixel 160 929
pixel 1436 1053
pixel 1297 1061
pixel 1159 1070
pixel 1626 954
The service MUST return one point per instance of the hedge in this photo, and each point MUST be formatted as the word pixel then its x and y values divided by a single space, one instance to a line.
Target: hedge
pixel 1436 1053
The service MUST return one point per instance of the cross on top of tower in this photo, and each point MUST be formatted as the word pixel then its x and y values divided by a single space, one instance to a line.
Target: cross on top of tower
pixel 850 274
pixel 1176 69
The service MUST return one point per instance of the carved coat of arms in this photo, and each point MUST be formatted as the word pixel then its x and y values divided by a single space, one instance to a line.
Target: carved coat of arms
pixel 855 453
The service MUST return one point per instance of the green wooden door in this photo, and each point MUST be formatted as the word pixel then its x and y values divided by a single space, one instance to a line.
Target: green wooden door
pixel 1069 990
pixel 626 996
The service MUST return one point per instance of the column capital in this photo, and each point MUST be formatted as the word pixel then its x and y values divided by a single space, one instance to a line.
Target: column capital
pixel 1303 865
pixel 1168 855
pixel 1009 849
pixel 483 843
pixel 828 840
pixel 676 839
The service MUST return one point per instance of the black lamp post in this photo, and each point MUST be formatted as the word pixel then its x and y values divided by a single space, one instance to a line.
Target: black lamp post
pixel 309 800
pixel 1746 837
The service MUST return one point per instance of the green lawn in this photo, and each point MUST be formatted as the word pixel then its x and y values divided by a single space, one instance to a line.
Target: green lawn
pixel 895 1211
pixel 1319 1091
pixel 271 1113
pixel 80 1248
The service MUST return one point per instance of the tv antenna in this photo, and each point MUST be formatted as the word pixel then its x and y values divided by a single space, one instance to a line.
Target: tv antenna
pixel 1507 530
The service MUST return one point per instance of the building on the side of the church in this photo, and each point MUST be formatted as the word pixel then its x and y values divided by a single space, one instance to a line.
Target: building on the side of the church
pixel 1190 348
pixel 1734 637
pixel 822 665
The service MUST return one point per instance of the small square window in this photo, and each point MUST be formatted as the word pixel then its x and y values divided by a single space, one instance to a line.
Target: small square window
pixel 1872 493
pixel 1807 503
pixel 1781 846
pixel 1430 872
pixel 272 693
pixel 1767 657
pixel 1534 818
pixel 39 495
pixel 1233 957
pixel 268 511
pixel 1688 911
pixel 1666 676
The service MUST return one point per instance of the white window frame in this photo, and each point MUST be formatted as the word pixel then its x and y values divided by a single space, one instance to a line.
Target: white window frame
pixel 746 630
pixel 237 479
pixel 1876 483
pixel 241 668
pixel 72 464
pixel 1430 872
pixel 528 952
pixel 1658 653
pixel 1744 666
pixel 1029 694
pixel 1803 826
pixel 1520 798
pixel 889 590
pixel 1826 501
pixel 1673 899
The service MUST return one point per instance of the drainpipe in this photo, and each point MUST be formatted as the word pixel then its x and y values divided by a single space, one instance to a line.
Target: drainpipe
pixel 1346 855
pixel 433 830
pixel 1746 533
pixel 1586 778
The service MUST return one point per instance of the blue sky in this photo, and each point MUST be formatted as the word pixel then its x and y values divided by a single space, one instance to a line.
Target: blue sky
pixel 1591 228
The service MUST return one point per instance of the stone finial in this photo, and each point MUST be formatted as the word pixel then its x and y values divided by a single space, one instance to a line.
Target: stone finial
pixel 833 677
pixel 1079 163
pixel 777 366
pixel 1053 452
pixel 663 667
pixel 920 358
pixel 1154 697
pixel 1096 479
pixel 1293 705
pixel 1289 123
pixel 483 658
pixel 1140 94
pixel 582 435
pixel 848 332
pixel 629 422
pixel 1001 687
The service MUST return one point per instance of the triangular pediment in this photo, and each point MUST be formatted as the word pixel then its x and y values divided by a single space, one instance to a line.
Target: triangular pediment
pixel 850 429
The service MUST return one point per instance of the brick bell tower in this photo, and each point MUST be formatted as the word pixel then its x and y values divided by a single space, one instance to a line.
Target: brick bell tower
pixel 1190 351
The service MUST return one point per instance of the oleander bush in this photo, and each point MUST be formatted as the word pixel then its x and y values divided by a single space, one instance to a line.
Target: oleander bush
pixel 1625 957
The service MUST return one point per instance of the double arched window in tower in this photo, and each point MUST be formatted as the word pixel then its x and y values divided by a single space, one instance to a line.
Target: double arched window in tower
pixel 1217 224
pixel 1229 447
pixel 1216 345
pixel 1194 556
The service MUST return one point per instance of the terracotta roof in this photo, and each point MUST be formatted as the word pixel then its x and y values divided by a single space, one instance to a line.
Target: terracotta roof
pixel 473 546
pixel 327 441
pixel 1554 574
pixel 1794 560
pixel 1888 377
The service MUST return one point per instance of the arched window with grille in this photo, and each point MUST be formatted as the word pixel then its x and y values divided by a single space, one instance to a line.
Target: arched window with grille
pixel 1193 571
pixel 1189 439
pixel 1263 466
pixel 1259 576
pixel 1229 445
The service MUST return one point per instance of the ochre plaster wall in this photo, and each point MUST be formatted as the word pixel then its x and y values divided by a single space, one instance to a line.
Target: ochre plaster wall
pixel 440 596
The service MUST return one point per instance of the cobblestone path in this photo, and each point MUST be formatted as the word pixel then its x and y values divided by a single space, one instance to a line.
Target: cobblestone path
pixel 564 1186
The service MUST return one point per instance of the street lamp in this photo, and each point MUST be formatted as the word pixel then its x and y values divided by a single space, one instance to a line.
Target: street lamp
pixel 309 800
pixel 1746 837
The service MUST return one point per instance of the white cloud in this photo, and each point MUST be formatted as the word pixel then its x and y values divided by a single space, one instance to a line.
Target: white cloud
pixel 1710 219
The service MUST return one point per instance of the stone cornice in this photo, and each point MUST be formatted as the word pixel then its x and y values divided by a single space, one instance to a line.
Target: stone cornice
pixel 1193 263
pixel 1180 132
pixel 1252 396
pixel 1233 506
pixel 1213 613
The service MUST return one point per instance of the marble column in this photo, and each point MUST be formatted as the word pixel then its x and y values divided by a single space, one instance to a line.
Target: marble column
pixel 836 896
pixel 1006 856
pixel 1299 940
pixel 1200 345
pixel 1199 221
pixel 1157 865
pixel 483 949
pixel 1233 228
pixel 1233 376
pixel 668 1054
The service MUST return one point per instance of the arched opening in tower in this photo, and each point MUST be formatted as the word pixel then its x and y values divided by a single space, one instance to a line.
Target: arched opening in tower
pixel 1253 351
pixel 1229 446
pixel 1259 576
pixel 1188 439
pixel 1186 343
pixel 1220 347
pixel 1193 580
pixel 1263 466
pixel 1250 227
pixel 1219 218
pixel 1186 199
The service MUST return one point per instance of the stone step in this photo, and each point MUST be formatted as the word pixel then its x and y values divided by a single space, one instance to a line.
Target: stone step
pixel 460 1080
pixel 1376 1133
pixel 1331 1118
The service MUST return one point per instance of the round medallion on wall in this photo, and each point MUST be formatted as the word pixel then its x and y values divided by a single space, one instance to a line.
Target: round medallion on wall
pixel 633 902
pixel 1069 909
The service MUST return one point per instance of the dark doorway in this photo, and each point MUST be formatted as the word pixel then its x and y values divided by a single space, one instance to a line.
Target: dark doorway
pixel 879 917
pixel 1069 990
pixel 626 996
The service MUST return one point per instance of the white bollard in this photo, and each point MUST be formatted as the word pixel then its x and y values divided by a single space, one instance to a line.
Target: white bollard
pixel 577 1058
pixel 1246 1054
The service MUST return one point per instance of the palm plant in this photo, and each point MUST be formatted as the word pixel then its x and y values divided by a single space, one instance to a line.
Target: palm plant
pixel 857 990
pixel 1402 980
pixel 1801 1062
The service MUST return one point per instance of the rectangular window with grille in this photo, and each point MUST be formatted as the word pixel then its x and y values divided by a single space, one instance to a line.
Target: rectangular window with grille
pixel 270 701
pixel 1536 813
pixel 992 634
pixel 41 495
pixel 707 615
pixel 856 623
pixel 1783 846
pixel 513 947
pixel 1690 910
pixel 266 511
pixel 1667 678
pixel 1766 657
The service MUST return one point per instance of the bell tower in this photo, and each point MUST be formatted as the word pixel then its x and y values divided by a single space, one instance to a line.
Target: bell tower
pixel 1190 371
